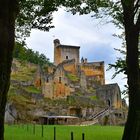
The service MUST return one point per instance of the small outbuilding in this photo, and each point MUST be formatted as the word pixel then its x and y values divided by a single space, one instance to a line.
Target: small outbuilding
pixel 58 120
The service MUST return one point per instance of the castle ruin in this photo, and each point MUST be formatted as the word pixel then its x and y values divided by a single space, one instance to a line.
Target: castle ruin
pixel 71 76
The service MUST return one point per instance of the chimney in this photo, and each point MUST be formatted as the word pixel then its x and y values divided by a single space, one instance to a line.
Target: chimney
pixel 56 42
pixel 85 60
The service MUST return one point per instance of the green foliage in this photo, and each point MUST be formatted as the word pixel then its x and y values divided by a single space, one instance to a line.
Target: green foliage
pixel 25 54
pixel 37 14
pixel 34 14
pixel 91 90
pixel 100 9
pixel 32 89
pixel 71 100
pixel 93 97
pixel 24 71
pixel 119 66
pixel 72 77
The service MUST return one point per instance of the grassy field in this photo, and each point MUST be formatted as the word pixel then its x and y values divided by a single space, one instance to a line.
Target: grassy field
pixel 29 132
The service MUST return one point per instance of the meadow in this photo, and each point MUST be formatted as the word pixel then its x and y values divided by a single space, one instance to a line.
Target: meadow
pixel 46 132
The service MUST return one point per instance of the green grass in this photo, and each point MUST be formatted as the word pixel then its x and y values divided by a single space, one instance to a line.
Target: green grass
pixel 93 97
pixel 32 89
pixel 72 77
pixel 63 132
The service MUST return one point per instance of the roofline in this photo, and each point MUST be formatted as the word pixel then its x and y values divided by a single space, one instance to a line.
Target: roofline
pixel 66 117
pixel 95 62
pixel 71 46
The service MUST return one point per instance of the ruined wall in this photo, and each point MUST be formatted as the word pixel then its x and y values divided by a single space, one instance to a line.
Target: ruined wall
pixel 68 76
pixel 95 70
pixel 57 55
pixel 56 85
pixel 83 80
pixel 70 66
pixel 111 95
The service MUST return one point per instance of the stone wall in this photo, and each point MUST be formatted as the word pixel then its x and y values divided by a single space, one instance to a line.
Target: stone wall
pixel 111 95
pixel 95 70
pixel 68 75
pixel 70 66
pixel 56 84
pixel 57 55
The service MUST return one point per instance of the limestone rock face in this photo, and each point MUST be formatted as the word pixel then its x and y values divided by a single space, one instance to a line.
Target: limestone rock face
pixel 10 114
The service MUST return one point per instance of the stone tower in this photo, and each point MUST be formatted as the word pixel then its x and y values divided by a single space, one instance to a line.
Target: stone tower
pixel 65 52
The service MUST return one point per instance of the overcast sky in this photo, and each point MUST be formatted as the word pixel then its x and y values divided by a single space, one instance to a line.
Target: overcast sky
pixel 93 36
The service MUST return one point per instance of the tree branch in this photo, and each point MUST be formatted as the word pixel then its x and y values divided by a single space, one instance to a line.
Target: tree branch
pixel 136 7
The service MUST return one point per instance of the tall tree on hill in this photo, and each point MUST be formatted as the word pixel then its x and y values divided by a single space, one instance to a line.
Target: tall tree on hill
pixel 31 14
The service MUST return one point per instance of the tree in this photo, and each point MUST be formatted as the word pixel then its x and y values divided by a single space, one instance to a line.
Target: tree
pixel 125 14
pixel 131 22
pixel 8 12
pixel 24 54
pixel 120 65
pixel 31 14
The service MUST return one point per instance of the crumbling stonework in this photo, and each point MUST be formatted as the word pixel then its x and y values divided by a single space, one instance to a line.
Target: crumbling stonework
pixel 71 88
pixel 110 94
pixel 69 74
pixel 81 83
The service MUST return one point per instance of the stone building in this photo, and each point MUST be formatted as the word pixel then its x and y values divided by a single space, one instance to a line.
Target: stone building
pixel 70 74
pixel 110 94
pixel 65 52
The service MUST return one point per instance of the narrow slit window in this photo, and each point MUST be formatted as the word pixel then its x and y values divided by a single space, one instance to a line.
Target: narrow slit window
pixel 67 57
pixel 59 79
pixel 47 80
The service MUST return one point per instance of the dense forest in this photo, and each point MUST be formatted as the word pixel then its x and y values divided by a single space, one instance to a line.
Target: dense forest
pixel 22 53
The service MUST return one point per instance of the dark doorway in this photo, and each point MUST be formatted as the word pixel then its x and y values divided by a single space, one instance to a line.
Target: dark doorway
pixel 67 57
pixel 108 103
pixel 59 79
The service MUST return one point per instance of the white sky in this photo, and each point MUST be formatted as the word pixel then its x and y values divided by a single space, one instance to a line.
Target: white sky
pixel 94 38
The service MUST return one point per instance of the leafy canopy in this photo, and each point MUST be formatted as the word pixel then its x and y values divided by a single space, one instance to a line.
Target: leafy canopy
pixel 34 14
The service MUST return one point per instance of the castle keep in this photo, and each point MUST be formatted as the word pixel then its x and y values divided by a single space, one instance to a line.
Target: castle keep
pixel 65 52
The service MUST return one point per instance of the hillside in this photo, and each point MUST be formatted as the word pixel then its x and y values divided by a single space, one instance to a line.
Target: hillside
pixel 40 89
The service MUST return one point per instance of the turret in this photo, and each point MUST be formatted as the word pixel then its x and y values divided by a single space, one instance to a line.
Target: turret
pixel 56 42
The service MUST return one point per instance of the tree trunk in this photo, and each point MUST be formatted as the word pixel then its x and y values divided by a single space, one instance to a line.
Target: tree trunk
pixel 132 127
pixel 7 25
